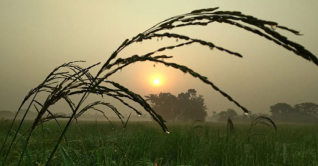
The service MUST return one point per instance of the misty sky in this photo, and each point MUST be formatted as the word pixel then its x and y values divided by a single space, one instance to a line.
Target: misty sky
pixel 37 36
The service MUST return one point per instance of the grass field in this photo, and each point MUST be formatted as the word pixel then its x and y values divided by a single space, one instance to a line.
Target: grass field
pixel 144 143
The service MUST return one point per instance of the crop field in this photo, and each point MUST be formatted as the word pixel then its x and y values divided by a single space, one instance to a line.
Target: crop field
pixel 144 143
pixel 257 142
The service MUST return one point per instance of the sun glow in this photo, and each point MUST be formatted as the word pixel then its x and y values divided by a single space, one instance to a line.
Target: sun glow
pixel 156 81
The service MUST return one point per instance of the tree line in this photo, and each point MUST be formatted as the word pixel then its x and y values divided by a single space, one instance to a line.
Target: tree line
pixel 302 112
pixel 190 106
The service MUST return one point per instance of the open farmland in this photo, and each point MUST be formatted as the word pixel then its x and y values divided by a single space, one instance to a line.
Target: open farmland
pixel 144 143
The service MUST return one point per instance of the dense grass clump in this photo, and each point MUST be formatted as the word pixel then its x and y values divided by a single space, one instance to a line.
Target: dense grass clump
pixel 143 143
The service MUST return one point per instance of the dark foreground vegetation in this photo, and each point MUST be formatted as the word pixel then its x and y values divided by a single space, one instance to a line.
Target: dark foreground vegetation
pixel 144 143
pixel 88 145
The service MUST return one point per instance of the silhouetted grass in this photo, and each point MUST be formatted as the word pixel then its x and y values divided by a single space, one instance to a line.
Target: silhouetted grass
pixel 71 79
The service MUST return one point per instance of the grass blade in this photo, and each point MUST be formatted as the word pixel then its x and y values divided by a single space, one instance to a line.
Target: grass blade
pixel 27 152
pixel 67 159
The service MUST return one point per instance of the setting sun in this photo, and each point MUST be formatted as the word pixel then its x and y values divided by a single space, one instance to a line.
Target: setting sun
pixel 156 81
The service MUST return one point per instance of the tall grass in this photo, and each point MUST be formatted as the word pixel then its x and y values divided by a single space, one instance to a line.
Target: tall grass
pixel 143 143
pixel 71 79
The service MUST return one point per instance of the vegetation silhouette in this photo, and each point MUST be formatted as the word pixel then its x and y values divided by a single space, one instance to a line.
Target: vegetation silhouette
pixel 223 115
pixel 185 107
pixel 306 112
pixel 70 79
pixel 303 112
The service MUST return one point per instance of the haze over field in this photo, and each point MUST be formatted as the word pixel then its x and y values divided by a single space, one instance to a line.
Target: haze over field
pixel 37 36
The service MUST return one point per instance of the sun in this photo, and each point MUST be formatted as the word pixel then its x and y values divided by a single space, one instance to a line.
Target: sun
pixel 156 81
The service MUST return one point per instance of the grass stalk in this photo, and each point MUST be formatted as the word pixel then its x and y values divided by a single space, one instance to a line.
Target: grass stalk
pixel 68 84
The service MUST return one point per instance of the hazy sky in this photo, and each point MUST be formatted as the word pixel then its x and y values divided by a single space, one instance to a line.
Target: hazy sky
pixel 37 36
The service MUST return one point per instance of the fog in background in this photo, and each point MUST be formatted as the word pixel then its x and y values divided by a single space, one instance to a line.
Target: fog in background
pixel 37 36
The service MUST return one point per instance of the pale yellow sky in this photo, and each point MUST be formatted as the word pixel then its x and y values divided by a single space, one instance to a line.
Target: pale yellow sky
pixel 36 36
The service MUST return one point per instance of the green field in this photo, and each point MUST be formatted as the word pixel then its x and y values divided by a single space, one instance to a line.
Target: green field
pixel 144 143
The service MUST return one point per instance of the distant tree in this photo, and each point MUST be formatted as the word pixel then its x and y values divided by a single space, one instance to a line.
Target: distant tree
pixel 164 104
pixel 303 112
pixel 185 107
pixel 282 111
pixel 280 108
pixel 4 114
pixel 224 115
pixel 311 108
pixel 307 112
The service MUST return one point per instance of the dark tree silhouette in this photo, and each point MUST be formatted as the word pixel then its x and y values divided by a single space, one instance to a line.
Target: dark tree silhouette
pixel 308 112
pixel 303 112
pixel 282 111
pixel 280 108
pixel 164 104
pixel 224 115
pixel 311 108
pixel 185 107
